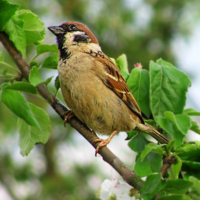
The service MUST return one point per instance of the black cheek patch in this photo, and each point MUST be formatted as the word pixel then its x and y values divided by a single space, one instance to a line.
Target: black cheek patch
pixel 81 38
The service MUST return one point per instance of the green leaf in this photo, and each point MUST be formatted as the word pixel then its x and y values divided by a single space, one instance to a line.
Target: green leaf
pixel 152 163
pixel 191 112
pixel 51 62
pixel 17 104
pixel 24 87
pixel 151 147
pixel 4 72
pixel 170 146
pixel 164 63
pixel 174 197
pixel 131 134
pixel 43 48
pixel 138 83
pixel 7 11
pixel 168 87
pixel 5 66
pixel 151 122
pixel 194 191
pixel 47 81
pixel 33 27
pixel 152 186
pixel 122 64
pixel 4 79
pixel 195 127
pixel 138 142
pixel 182 121
pixel 31 135
pixel 191 167
pixel 14 29
pixel 114 61
pixel 178 186
pixel 176 168
pixel 35 77
pixel 57 83
pixel 34 63
pixel 189 152
pixel 176 125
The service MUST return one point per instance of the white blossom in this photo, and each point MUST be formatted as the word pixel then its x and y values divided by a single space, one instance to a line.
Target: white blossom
pixel 115 190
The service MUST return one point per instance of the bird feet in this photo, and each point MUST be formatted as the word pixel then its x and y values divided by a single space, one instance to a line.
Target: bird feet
pixel 103 142
pixel 68 115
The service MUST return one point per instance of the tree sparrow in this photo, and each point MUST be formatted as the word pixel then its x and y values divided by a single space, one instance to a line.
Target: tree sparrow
pixel 93 87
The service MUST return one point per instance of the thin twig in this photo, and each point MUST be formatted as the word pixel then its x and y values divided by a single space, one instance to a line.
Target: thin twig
pixel 167 162
pixel 129 176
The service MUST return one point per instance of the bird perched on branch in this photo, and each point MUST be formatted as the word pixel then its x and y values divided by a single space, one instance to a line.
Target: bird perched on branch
pixel 93 87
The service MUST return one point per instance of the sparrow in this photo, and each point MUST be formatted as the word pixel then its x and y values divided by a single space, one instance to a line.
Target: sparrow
pixel 93 87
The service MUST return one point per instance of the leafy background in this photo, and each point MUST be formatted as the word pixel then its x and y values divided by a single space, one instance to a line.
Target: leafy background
pixel 144 31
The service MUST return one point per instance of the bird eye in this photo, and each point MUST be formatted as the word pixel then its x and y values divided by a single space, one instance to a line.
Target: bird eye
pixel 73 28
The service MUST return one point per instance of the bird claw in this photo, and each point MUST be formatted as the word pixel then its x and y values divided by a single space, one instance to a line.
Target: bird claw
pixel 102 144
pixel 68 116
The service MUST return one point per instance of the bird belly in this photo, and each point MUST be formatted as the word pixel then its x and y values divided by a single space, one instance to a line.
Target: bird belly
pixel 96 105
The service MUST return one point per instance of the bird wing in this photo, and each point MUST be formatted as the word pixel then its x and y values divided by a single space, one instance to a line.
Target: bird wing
pixel 114 80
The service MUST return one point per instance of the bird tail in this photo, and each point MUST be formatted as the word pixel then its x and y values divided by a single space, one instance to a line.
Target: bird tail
pixel 147 128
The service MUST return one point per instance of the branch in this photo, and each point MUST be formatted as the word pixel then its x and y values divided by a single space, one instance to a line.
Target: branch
pixel 130 177
pixel 167 162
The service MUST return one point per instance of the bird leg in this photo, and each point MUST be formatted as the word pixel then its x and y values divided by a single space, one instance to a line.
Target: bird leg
pixel 103 142
pixel 68 115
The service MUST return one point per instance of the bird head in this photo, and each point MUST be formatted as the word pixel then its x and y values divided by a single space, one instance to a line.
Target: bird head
pixel 71 33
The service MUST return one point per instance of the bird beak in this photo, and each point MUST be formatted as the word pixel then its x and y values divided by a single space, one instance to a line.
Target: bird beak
pixel 56 30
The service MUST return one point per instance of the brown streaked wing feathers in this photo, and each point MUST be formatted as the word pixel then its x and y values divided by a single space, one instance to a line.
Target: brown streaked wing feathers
pixel 118 85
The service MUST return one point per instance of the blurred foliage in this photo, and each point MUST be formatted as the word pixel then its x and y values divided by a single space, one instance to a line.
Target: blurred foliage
pixel 143 30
